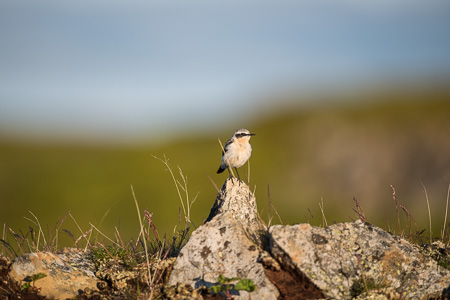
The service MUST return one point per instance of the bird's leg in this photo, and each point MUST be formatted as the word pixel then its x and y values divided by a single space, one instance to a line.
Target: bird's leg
pixel 239 177
pixel 229 172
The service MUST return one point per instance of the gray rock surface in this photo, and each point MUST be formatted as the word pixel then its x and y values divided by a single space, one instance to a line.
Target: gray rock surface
pixel 227 244
pixel 236 200
pixel 67 273
pixel 346 260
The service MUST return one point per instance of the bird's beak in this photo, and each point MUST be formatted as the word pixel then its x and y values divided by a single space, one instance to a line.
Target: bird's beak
pixel 251 134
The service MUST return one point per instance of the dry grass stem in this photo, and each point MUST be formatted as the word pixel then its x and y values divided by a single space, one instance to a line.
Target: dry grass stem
pixel 83 235
pixel 4 231
pixel 248 168
pixel 185 204
pixel 54 242
pixel 106 249
pixel 165 161
pixel 141 232
pixel 149 217
pixel 40 232
pixel 387 223
pixel 324 220
pixel 429 211
pixel 105 214
pixel 16 237
pixel 271 206
pixel 119 238
pixel 394 197
pixel 306 218
pixel 213 183
pixel 312 216
pixel 445 218
pixel 410 217
pixel 359 211
pixel 102 234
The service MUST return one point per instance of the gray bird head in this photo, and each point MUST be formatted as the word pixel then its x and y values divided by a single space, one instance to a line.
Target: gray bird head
pixel 243 133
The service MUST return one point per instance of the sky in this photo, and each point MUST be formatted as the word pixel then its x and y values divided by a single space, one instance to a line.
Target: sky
pixel 110 69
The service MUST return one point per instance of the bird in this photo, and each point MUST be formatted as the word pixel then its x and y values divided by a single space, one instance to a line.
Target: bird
pixel 236 152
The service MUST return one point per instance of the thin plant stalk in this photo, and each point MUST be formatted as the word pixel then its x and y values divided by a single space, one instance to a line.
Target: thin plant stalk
pixel 324 220
pixel 40 230
pixel 271 206
pixel 16 237
pixel 57 228
pixel 446 210
pixel 106 214
pixel 394 197
pixel 185 211
pixel 248 167
pixel 184 187
pixel 429 212
pixel 82 233
pixel 112 241
pixel 142 228
pixel 213 183
pixel 189 203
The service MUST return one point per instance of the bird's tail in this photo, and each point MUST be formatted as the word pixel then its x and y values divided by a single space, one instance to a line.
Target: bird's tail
pixel 220 170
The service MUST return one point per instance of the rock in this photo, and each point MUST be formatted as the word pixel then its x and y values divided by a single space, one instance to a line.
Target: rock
pixel 236 200
pixel 349 260
pixel 227 244
pixel 66 274
pixel 177 292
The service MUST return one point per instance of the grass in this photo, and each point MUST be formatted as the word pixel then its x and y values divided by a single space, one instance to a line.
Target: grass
pixel 306 155
pixel 149 254
pixel 149 249
pixel 436 247
pixel 415 236
pixel 365 285
pixel 334 152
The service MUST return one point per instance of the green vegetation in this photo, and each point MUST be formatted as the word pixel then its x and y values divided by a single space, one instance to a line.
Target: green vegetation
pixel 305 154
pixel 365 285
pixel 313 160
pixel 439 251
pixel 225 285
pixel 103 254
pixel 32 279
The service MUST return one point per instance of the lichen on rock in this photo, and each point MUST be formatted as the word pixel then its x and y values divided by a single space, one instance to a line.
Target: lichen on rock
pixel 227 244
pixel 66 273
pixel 345 258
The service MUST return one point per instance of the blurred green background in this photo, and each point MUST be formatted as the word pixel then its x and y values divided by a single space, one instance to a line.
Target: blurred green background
pixel 346 98
pixel 304 154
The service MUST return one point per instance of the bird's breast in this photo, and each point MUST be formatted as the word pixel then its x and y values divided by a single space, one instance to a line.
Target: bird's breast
pixel 237 155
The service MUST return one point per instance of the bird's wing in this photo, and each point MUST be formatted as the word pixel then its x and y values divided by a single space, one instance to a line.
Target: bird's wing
pixel 227 145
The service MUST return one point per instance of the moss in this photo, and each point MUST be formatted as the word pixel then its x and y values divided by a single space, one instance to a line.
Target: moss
pixel 439 252
pixel 101 255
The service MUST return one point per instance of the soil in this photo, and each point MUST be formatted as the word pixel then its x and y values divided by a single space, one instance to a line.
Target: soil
pixel 293 287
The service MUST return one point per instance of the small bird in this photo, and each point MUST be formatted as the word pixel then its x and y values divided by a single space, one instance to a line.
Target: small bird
pixel 236 152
